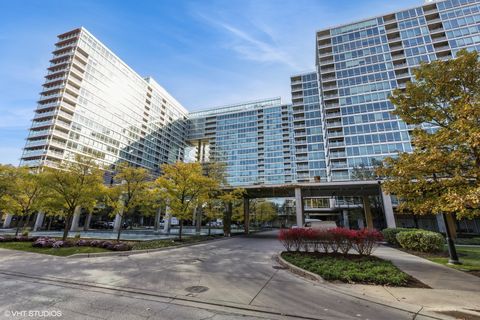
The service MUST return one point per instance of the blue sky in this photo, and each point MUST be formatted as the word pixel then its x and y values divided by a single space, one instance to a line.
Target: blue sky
pixel 205 53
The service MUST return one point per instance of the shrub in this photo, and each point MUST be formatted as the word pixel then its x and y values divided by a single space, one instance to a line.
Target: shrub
pixel 77 236
pixel 334 240
pixel 122 246
pixel 342 239
pixel 58 244
pixel 390 234
pixel 366 240
pixel 106 245
pixel 83 243
pixel 25 233
pixel 421 240
pixel 96 243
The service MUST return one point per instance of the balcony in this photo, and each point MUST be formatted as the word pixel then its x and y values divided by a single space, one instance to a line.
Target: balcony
pixel 330 96
pixel 331 115
pixel 339 165
pixel 334 124
pixel 338 155
pixel 39 124
pixel 335 134
pixel 336 144
pixel 36 143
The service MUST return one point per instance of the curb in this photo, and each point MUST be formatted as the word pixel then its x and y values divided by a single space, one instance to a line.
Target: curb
pixel 299 271
pixel 134 252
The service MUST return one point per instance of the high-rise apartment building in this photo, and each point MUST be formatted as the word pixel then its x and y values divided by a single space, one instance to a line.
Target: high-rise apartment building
pixel 340 118
pixel 359 64
pixel 93 104
pixel 254 140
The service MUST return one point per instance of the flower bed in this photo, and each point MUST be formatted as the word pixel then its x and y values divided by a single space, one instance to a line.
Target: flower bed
pixel 47 242
pixel 333 240
pixel 351 268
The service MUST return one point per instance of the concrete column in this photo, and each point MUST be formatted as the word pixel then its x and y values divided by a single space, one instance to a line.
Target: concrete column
pixel 441 223
pixel 388 210
pixel 117 224
pixel 246 215
pixel 167 220
pixel 368 212
pixel 141 221
pixel 346 223
pixel 76 219
pixel 38 221
pixel 361 225
pixel 86 225
pixel 299 207
pixel 8 220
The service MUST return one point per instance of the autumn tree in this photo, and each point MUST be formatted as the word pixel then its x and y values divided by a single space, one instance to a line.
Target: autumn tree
pixel 24 195
pixel 129 191
pixel 184 186
pixel 74 184
pixel 442 174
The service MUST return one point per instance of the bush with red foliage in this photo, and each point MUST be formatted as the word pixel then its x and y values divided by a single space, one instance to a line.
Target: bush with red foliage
pixel 335 240
pixel 366 240
pixel 342 239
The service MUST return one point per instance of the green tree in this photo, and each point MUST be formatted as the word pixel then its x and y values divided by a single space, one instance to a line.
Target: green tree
pixel 24 195
pixel 184 187
pixel 129 191
pixel 74 184
pixel 266 211
pixel 442 173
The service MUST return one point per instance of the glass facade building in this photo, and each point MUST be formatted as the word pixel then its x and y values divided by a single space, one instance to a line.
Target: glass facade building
pixel 340 117
pixel 254 139
pixel 93 104
pixel 359 65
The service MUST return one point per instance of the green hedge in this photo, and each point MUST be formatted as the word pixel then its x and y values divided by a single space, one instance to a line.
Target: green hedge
pixel 421 240
pixel 390 234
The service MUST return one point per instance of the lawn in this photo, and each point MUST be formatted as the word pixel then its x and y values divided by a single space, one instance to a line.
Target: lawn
pixel 27 246
pixel 154 244
pixel 469 256
pixel 351 268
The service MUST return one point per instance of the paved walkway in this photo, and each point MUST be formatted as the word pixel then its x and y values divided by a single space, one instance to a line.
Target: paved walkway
pixel 434 275
pixel 451 289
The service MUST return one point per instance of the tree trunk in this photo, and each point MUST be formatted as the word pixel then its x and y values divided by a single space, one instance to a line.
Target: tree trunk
pixel 209 227
pixel 180 230
pixel 68 223
pixel 227 220
pixel 49 223
pixel 120 228
pixel 19 222
pixel 25 224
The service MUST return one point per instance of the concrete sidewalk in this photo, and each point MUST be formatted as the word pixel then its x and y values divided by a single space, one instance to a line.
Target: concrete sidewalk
pixel 434 275
pixel 450 289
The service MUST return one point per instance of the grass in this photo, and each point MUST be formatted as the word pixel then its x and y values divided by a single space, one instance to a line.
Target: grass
pixel 155 244
pixel 469 241
pixel 27 246
pixel 136 245
pixel 469 256
pixel 350 268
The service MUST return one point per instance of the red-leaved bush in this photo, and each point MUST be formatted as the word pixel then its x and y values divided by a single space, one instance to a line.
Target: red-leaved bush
pixel 333 240
pixel 366 240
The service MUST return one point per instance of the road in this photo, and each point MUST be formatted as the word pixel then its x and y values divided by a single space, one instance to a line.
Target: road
pixel 236 278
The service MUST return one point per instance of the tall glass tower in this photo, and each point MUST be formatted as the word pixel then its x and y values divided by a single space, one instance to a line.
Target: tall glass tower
pixel 93 104
pixel 359 64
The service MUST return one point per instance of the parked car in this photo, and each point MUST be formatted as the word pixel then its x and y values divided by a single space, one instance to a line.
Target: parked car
pixel 100 225
pixel 321 225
